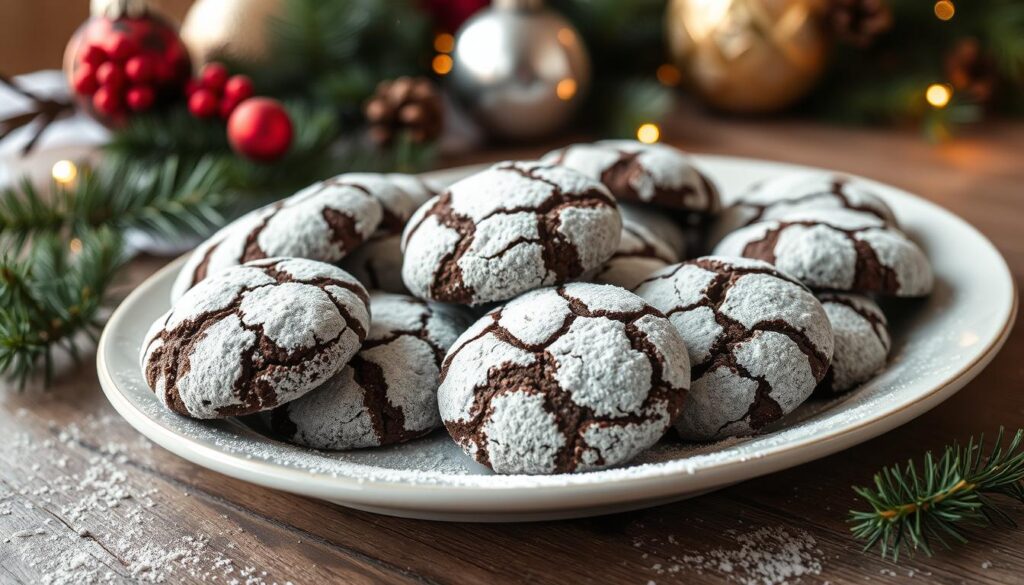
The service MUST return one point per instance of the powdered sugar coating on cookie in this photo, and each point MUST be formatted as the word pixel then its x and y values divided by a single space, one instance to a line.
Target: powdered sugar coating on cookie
pixel 801 191
pixel 378 262
pixel 640 253
pixel 862 341
pixel 388 392
pixel 255 336
pixel 564 379
pixel 836 249
pixel 758 341
pixel 511 228
pixel 642 173
pixel 325 221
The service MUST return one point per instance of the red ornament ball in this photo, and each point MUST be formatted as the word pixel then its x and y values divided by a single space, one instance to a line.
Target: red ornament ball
pixel 202 103
pixel 119 55
pixel 260 129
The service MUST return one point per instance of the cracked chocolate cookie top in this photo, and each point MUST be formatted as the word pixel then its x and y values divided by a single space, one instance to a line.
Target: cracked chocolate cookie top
pixel 511 228
pixel 564 379
pixel 801 191
pixel 640 253
pixel 642 173
pixel 862 341
pixel 388 392
pixel 324 221
pixel 255 336
pixel 758 340
pixel 378 263
pixel 836 249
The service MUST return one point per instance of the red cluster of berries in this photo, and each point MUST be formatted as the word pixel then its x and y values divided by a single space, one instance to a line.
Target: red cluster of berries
pixel 215 93
pixel 120 75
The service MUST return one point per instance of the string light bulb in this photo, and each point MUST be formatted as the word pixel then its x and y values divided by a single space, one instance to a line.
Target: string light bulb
pixel 444 43
pixel 944 10
pixel 64 172
pixel 442 64
pixel 938 95
pixel 648 133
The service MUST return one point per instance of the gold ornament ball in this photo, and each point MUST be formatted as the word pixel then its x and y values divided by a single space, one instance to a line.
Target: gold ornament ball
pixel 748 56
pixel 236 30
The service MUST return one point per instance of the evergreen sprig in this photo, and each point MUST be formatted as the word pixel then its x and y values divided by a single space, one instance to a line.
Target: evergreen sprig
pixel 164 198
pixel 51 298
pixel 911 511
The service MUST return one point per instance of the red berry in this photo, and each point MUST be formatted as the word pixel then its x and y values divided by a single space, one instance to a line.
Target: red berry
pixel 202 103
pixel 237 88
pixel 93 55
pixel 140 68
pixel 191 86
pixel 120 47
pixel 85 80
pixel 110 75
pixel 213 76
pixel 228 105
pixel 106 101
pixel 260 129
pixel 140 97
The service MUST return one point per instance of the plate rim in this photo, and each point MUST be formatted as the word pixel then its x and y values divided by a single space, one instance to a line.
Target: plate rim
pixel 616 489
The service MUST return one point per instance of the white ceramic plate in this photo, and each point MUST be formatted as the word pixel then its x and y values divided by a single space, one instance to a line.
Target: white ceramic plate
pixel 940 344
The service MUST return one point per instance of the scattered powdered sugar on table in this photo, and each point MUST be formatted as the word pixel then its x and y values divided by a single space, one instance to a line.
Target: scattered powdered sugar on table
pixel 71 541
pixel 765 556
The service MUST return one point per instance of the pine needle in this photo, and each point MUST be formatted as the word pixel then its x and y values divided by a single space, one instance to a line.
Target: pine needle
pixel 912 511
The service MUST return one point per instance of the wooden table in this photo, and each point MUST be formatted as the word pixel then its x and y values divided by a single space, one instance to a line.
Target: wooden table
pixel 83 496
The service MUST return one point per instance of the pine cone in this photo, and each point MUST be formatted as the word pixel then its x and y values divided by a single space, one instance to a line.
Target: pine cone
pixel 971 70
pixel 859 22
pixel 409 104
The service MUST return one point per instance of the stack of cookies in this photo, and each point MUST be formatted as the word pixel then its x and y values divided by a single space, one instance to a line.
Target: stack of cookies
pixel 541 311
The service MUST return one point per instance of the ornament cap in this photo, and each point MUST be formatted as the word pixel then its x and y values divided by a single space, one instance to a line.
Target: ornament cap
pixel 518 4
pixel 115 9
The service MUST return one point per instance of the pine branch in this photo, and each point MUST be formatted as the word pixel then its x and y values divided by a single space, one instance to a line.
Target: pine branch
pixel 164 198
pixel 912 511
pixel 51 297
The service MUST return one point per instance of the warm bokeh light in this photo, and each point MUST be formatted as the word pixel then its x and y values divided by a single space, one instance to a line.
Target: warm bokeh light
pixel 64 171
pixel 442 64
pixel 944 10
pixel 444 43
pixel 75 245
pixel 566 89
pixel 668 75
pixel 938 95
pixel 648 133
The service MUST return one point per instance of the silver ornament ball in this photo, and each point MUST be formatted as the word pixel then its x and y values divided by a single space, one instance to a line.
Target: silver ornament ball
pixel 519 69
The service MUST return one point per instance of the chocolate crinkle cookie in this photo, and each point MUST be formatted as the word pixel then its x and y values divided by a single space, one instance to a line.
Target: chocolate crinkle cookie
pixel 801 191
pixel 511 228
pixel 388 393
pixel 255 336
pixel 862 342
pixel 564 379
pixel 836 249
pixel 758 341
pixel 640 253
pixel 378 262
pixel 635 172
pixel 325 221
